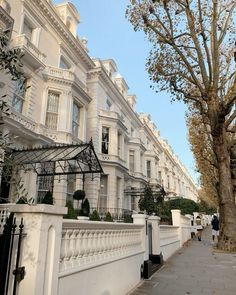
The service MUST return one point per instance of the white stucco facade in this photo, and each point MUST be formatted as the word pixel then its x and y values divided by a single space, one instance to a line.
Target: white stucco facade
pixel 72 98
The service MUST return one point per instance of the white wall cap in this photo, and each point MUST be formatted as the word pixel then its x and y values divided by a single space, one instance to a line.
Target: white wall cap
pixel 41 208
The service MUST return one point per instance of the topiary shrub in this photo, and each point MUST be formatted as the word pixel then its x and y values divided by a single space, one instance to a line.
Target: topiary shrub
pixel 22 200
pixel 72 213
pixel 79 195
pixel 128 218
pixel 85 208
pixel 108 217
pixel 94 216
pixel 48 199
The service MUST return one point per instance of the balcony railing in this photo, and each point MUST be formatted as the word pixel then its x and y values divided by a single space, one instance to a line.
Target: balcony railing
pixel 59 73
pixel 23 120
pixel 32 53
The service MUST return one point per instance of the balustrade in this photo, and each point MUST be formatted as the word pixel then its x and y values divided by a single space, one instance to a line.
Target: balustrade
pixel 85 242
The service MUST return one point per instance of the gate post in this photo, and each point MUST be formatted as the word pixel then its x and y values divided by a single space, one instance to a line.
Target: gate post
pixel 40 247
pixel 156 241
pixel 176 221
pixel 142 219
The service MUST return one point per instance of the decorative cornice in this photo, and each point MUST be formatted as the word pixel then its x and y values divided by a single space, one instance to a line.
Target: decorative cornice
pixel 100 73
pixel 50 14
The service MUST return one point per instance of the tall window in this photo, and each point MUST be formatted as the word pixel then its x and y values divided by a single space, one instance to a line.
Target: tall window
pixel 52 110
pixel 105 140
pixel 19 95
pixel 45 183
pixel 131 161
pixel 119 144
pixel 132 132
pixel 108 105
pixel 75 120
pixel 103 194
pixel 28 30
pixel 149 169
pixel 63 63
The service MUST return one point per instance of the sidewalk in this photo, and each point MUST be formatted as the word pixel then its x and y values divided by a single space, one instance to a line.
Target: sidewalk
pixel 195 269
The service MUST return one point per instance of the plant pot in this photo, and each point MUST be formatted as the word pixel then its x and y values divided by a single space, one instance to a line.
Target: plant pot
pixel 82 217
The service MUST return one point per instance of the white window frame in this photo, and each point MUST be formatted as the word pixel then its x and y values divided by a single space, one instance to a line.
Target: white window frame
pixel 105 141
pixel 131 162
pixel 19 94
pixel 52 115
pixel 75 121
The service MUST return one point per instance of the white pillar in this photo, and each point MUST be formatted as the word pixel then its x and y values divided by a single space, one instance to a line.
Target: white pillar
pixel 175 217
pixel 156 241
pixel 142 219
pixel 40 247
pixel 177 222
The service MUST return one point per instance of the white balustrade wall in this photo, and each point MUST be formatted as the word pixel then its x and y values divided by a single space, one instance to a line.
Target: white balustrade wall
pixel 185 225
pixel 88 257
pixel 169 240
pixel 93 251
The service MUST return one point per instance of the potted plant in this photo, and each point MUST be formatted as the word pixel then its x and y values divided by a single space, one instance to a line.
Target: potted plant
pixel 94 216
pixel 80 195
pixel 48 199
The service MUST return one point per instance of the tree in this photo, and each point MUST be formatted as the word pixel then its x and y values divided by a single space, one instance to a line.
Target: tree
pixel 185 205
pixel 10 65
pixel 151 202
pixel 146 202
pixel 192 58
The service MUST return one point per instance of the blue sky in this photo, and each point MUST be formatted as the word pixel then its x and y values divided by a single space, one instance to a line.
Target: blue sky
pixel 110 35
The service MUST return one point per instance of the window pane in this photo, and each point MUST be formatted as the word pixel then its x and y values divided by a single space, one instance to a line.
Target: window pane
pixel 105 140
pixel 131 161
pixel 27 30
pixel 52 110
pixel 149 169
pixel 64 64
pixel 19 94
pixel 75 119
pixel 53 101
pixel 103 193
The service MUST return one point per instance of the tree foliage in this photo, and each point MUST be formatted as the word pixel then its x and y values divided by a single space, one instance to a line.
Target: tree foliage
pixel 151 202
pixel 10 65
pixel 10 58
pixel 185 205
pixel 192 57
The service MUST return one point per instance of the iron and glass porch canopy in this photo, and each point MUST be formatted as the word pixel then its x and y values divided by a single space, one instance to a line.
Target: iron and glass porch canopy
pixel 60 159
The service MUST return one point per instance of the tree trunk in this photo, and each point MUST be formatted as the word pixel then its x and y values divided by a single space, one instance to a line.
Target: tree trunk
pixel 227 206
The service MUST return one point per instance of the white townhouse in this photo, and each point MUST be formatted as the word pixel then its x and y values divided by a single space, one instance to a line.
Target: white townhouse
pixel 71 98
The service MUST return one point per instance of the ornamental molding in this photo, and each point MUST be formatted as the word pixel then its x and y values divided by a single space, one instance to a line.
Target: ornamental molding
pixel 51 16
pixel 6 19
pixel 99 73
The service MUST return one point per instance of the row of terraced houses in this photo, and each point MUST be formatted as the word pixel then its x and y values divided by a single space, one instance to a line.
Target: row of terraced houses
pixel 71 98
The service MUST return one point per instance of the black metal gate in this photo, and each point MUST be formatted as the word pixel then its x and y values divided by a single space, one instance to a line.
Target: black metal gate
pixel 10 246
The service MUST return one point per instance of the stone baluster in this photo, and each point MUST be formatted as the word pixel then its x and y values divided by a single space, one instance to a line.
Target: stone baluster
pixel 63 250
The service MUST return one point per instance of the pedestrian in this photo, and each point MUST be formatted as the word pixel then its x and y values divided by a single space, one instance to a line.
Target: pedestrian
pixel 215 227
pixel 199 228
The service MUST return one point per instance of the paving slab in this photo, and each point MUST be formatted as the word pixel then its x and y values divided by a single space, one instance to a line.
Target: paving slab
pixel 196 269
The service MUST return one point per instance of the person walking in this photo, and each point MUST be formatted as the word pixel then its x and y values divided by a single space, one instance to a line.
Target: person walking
pixel 215 227
pixel 199 228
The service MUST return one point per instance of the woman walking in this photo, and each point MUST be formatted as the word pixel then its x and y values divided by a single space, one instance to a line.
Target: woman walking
pixel 199 228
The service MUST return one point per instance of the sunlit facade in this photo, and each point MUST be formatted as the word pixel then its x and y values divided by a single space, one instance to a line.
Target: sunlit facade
pixel 71 98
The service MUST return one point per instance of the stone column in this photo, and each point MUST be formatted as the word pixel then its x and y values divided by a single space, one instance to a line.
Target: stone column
pixel 40 252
